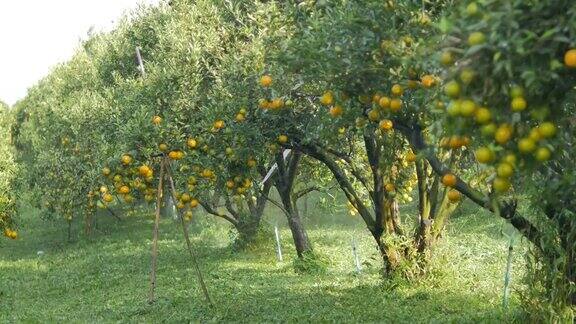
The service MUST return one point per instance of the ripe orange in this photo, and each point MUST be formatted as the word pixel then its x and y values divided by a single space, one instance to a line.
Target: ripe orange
pixel 386 124
pixel 230 184
pixel 144 170
pixel 411 157
pixel 194 203
pixel 570 58
pixel 336 111
pixel 428 81
pixel 327 99
pixel 397 90
pixel 454 196
pixel 219 124
pixel 185 197
pixel 282 139
pixel 163 147
pixel 107 197
pixel 106 171
pixel 389 187
pixel 395 104
pixel 467 76
pixel 384 102
pixel 126 159
pixel 251 163
pixel 266 81
pixel 124 189
pixel 176 155
pixel 156 120
pixel 449 180
pixel 240 117
pixel 503 134
pixel 373 115
pixel 192 143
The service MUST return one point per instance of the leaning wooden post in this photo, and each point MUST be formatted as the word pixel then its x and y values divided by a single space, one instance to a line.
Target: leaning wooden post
pixel 189 244
pixel 155 234
pixel 140 62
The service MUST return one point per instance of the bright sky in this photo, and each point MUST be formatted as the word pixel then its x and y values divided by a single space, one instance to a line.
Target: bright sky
pixel 35 35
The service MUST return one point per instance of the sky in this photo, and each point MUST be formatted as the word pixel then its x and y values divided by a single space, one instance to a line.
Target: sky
pixel 35 35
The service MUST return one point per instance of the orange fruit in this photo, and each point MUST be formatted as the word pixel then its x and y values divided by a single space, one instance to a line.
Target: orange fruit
pixel 384 102
pixel 194 203
pixel 542 154
pixel 395 104
pixel 389 187
pixel 192 143
pixel 107 197
pixel 126 159
pixel 336 111
pixel 266 81
pixel 410 157
pixel 547 129
pixel 230 184
pixel 428 81
pixel 483 115
pixel 453 196
pixel 518 104
pixel 163 147
pixel 397 90
pixel 449 180
pixel 373 115
pixel 327 99
pixel 219 124
pixel 386 124
pixel 526 145
pixel 106 171
pixel 484 155
pixel 476 38
pixel 503 134
pixel 124 189
pixel 144 170
pixel 156 120
pixel 240 117
pixel 501 185
pixel 282 139
pixel 570 58
pixel 452 89
pixel 505 170
pixel 251 163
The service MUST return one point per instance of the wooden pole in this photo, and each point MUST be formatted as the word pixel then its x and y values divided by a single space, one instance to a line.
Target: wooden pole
pixel 189 245
pixel 155 235
pixel 140 62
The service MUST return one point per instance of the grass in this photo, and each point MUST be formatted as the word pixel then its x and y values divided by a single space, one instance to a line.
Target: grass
pixel 104 278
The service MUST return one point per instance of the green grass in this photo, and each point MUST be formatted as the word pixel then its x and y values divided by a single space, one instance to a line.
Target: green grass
pixel 105 278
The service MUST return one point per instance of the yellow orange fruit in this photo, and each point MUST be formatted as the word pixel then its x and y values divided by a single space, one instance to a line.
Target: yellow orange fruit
pixel 126 159
pixel 156 120
pixel 397 90
pixel 428 81
pixel 282 139
pixel 501 185
pixel 484 155
pixel 505 170
pixel 336 111
pixel 518 104
pixel 453 196
pixel 266 81
pixel 449 180
pixel 327 99
pixel 106 171
pixel 192 143
pixel 526 145
pixel 503 134
pixel 547 129
pixel 384 102
pixel 452 89
pixel 476 38
pixel 570 58
pixel 395 104
pixel 386 124
pixel 543 154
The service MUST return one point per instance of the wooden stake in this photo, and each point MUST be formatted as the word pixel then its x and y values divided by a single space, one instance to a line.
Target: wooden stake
pixel 189 245
pixel 278 246
pixel 155 235
pixel 140 62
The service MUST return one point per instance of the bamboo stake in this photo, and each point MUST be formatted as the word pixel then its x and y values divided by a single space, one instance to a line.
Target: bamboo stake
pixel 278 246
pixel 155 235
pixel 189 245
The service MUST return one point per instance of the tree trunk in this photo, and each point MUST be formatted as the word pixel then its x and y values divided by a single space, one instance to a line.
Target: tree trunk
pixel 299 235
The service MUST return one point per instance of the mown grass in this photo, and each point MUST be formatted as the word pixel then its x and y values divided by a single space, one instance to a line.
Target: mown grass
pixel 105 278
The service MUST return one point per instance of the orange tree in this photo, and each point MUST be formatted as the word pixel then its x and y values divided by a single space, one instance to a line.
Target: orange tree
pixel 7 175
pixel 334 95
pixel 510 76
